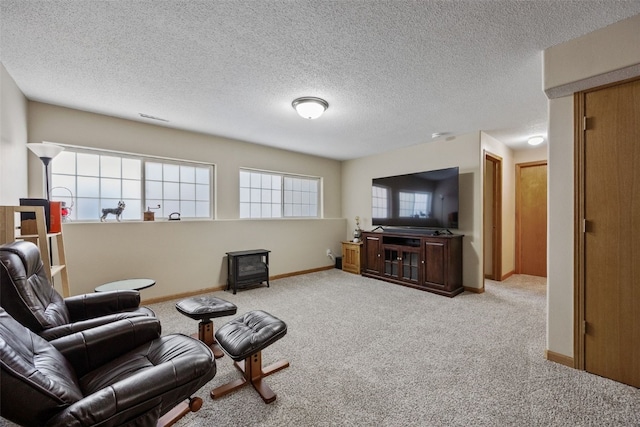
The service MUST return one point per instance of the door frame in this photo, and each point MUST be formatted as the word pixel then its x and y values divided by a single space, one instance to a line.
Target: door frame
pixel 518 221
pixel 496 244
pixel 579 246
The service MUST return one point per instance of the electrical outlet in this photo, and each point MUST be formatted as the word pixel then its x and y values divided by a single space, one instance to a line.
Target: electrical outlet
pixel 328 252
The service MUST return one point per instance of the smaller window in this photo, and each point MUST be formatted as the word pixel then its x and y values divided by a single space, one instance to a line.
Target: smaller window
pixel 275 195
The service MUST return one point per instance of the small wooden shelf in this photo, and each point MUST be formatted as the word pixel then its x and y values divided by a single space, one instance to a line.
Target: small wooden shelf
pixel 9 233
pixel 352 257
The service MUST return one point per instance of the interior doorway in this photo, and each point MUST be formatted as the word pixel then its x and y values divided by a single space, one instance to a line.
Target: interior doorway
pixel 492 207
pixel 531 218
pixel 607 326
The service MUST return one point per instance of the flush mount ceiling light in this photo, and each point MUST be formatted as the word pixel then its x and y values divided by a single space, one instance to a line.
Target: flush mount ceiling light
pixel 536 140
pixel 310 107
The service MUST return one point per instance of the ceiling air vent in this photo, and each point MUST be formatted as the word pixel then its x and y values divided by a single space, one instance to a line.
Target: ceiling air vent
pixel 147 116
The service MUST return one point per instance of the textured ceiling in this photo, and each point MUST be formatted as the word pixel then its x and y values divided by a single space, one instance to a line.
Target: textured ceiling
pixel 393 71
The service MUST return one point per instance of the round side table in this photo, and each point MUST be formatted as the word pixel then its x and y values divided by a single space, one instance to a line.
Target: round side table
pixel 126 285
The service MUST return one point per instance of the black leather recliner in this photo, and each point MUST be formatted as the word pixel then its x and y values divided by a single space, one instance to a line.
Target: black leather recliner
pixel 27 295
pixel 122 373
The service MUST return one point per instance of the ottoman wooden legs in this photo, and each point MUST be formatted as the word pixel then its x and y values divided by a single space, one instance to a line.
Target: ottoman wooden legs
pixel 243 339
pixel 180 410
pixel 253 373
pixel 203 308
pixel 205 334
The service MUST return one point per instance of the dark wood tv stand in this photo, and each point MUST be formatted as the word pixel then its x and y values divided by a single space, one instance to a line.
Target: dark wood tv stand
pixel 418 260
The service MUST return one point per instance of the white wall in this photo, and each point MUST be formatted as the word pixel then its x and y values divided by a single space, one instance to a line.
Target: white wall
pixel 13 137
pixel 534 154
pixel 579 64
pixel 462 151
pixel 560 228
pixel 604 56
pixel 186 256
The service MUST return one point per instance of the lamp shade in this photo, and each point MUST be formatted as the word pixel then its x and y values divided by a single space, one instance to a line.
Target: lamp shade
pixel 310 107
pixel 45 151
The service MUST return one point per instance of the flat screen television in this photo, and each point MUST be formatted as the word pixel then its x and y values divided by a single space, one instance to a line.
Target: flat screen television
pixel 423 199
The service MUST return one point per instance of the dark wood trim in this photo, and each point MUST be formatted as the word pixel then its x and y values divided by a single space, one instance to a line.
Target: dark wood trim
pixel 298 273
pixel 578 235
pixel 559 358
pixel 183 295
pixel 497 214
pixel 223 287
pixel 509 274
pixel 180 410
pixel 474 290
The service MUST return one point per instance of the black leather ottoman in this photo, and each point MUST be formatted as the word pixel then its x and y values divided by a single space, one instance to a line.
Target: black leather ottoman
pixel 243 340
pixel 204 308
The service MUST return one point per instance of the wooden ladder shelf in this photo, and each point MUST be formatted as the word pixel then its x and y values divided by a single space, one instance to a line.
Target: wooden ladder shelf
pixel 9 233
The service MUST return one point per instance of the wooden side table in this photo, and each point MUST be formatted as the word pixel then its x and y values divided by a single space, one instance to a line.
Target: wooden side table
pixel 351 257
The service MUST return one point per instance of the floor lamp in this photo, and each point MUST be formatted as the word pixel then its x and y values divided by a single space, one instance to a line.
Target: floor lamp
pixel 46 152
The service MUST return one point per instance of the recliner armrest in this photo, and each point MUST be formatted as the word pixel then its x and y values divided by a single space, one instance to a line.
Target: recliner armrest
pixel 86 306
pixel 82 325
pixel 91 348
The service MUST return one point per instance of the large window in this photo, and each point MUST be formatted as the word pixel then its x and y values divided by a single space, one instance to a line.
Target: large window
pixel 276 195
pixel 89 181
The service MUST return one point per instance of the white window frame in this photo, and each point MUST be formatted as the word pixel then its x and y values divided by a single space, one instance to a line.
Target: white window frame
pixel 132 187
pixel 269 194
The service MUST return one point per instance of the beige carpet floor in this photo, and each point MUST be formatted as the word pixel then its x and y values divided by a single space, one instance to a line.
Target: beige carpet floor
pixel 368 353
pixel 365 352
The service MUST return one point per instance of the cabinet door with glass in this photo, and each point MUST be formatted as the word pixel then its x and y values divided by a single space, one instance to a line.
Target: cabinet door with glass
pixel 410 263
pixel 402 263
pixel 391 260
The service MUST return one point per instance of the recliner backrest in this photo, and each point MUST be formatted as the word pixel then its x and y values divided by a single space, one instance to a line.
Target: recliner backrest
pixel 35 370
pixel 25 290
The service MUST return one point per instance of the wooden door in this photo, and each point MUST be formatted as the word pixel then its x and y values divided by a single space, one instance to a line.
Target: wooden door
pixel 610 251
pixel 531 218
pixel 492 205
